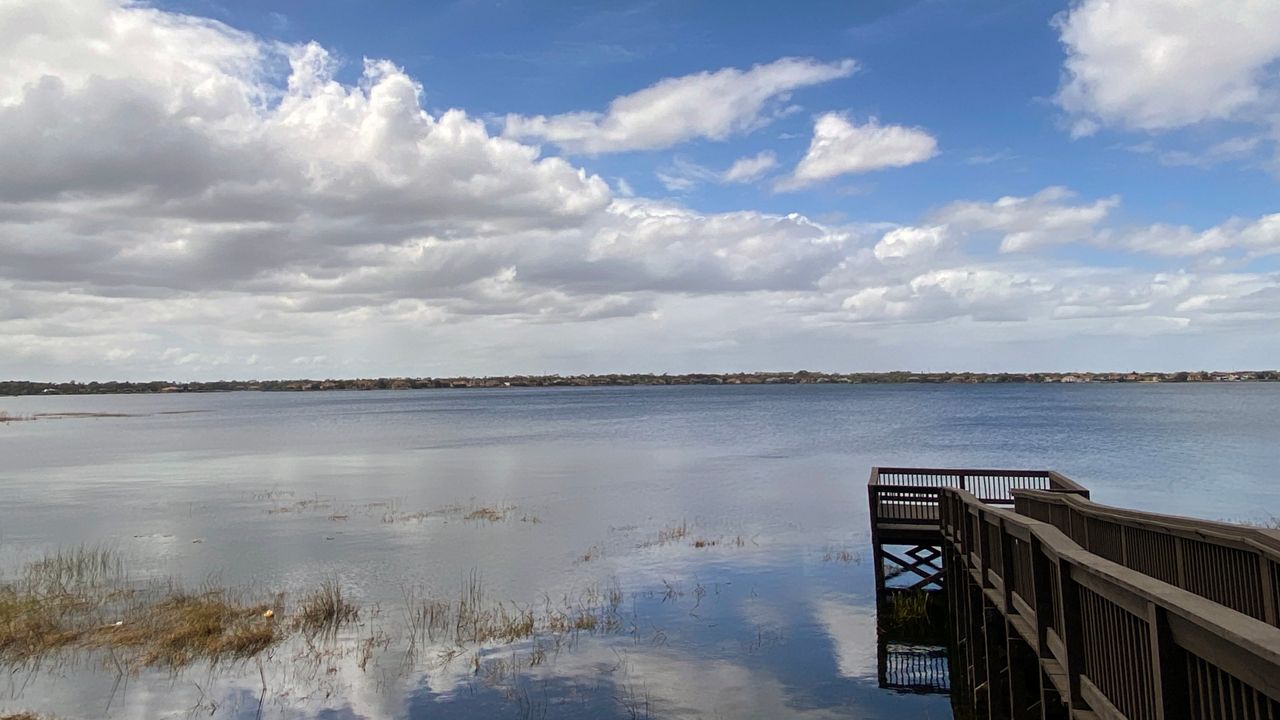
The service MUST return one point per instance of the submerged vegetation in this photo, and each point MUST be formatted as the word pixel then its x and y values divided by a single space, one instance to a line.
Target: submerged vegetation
pixel 80 608
pixel 325 610
pixel 83 600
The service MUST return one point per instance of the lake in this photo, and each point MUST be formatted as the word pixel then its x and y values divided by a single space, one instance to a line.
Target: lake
pixel 715 536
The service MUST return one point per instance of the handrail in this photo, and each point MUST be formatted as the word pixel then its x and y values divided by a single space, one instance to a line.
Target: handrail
pixel 908 497
pixel 988 484
pixel 1233 565
pixel 1124 644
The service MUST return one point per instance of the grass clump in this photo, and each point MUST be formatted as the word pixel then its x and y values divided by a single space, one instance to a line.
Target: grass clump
pixel 914 612
pixel 832 553
pixel 31 626
pixel 487 513
pixel 325 609
pixel 182 628
pixel 81 599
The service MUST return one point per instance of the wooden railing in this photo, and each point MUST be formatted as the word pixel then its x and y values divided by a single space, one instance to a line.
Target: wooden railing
pixel 1111 641
pixel 1233 565
pixel 904 511
pixel 909 496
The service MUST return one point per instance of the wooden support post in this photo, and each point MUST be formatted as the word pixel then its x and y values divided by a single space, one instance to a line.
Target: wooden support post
pixel 1024 677
pixel 1168 663
pixel 994 638
pixel 978 650
pixel 1072 634
pixel 1270 613
pixel 1005 563
pixel 984 548
pixel 873 501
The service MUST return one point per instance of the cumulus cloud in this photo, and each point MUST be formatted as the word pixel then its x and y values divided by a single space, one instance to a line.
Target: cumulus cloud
pixel 1026 223
pixel 980 293
pixel 710 105
pixel 910 242
pixel 184 199
pixel 1161 64
pixel 840 147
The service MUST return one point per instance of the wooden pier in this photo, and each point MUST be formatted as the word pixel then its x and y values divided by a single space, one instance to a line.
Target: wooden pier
pixel 1063 608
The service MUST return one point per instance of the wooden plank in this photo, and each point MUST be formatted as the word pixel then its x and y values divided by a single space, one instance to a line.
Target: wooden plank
pixel 1226 648
pixel 1056 647
pixel 1057 675
pixel 1024 628
pixel 1098 702
pixel 1132 602
pixel 1021 607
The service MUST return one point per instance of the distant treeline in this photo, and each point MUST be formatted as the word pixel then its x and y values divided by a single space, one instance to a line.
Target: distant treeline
pixel 22 387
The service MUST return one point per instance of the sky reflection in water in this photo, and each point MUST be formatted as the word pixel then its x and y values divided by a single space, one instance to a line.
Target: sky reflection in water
pixel 283 491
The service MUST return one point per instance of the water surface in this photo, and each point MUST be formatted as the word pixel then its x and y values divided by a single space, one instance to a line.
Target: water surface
pixel 774 618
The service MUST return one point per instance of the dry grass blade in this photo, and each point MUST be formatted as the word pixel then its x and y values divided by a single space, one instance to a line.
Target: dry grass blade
pixel 184 628
pixel 325 610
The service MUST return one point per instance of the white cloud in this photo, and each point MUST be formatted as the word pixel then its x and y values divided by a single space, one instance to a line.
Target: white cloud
pixel 910 243
pixel 711 105
pixel 684 175
pixel 1027 223
pixel 1231 149
pixel 750 168
pixel 1160 64
pixel 180 198
pixel 979 293
pixel 840 147
pixel 1253 238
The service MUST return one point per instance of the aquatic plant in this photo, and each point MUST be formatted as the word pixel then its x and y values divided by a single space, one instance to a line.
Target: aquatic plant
pixel 325 609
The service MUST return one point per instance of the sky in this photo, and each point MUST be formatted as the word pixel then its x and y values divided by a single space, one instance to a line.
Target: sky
pixel 209 189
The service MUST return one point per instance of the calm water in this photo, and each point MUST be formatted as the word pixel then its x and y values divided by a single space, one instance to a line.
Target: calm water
pixel 281 491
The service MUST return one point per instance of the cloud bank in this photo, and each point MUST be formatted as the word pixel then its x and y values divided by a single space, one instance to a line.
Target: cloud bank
pixel 183 199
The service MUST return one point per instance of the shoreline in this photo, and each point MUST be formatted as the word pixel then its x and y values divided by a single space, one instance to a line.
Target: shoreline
pixel 25 388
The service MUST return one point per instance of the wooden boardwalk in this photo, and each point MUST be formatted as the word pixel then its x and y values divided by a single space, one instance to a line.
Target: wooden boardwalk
pixel 1063 608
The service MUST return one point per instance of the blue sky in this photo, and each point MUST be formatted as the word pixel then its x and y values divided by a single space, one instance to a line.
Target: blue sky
pixel 284 188
pixel 978 75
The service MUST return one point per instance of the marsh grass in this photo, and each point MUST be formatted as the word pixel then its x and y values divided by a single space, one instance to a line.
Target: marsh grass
pixel 473 621
pixel 907 608
pixel 79 604
pixel 6 417
pixel 669 534
pixel 471 513
pixel 1271 522
pixel 324 610
pixel 837 554
pixel 183 628
pixel 81 600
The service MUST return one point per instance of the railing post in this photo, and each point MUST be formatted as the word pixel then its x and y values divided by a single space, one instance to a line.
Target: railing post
pixel 984 549
pixel 877 559
pixel 1168 668
pixel 1006 568
pixel 1072 634
pixel 1270 613
pixel 1180 559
